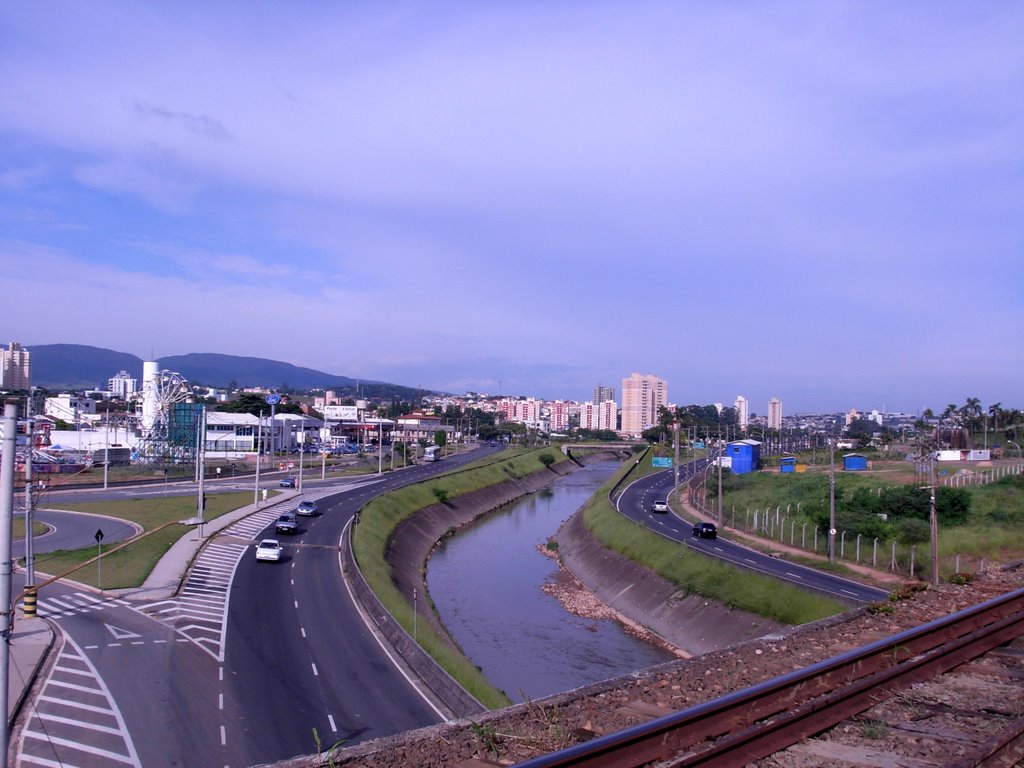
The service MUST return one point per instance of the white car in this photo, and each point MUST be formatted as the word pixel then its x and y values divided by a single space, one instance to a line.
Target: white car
pixel 660 506
pixel 270 550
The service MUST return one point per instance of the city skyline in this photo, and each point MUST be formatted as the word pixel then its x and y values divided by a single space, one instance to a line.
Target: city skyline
pixel 819 203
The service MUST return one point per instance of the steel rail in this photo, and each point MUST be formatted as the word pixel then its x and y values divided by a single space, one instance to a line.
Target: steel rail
pixel 769 716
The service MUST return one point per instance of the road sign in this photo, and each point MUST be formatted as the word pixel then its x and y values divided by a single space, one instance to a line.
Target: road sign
pixel 661 461
pixel 698 443
pixel 272 399
pixel 99 535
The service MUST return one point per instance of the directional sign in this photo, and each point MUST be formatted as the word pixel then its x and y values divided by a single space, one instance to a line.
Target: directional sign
pixel 661 461
pixel 99 535
pixel 272 399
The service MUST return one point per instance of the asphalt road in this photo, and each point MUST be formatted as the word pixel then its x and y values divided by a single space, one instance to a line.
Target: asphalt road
pixel 293 632
pixel 637 499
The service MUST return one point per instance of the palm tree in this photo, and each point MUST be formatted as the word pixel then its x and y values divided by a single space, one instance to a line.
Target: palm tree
pixel 972 412
pixel 995 411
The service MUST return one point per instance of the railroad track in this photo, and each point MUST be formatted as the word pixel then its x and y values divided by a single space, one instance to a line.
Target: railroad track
pixel 762 721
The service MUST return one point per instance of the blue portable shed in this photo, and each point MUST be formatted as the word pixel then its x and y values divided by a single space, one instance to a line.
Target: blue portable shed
pixel 855 462
pixel 745 455
pixel 787 464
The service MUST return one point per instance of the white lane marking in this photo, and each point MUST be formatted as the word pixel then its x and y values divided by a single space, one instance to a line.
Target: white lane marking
pixel 296 603
pixel 330 719
pixel 77 723
pixel 223 736
pixel 81 747
pixel 794 575
pixel 303 631
pixel 747 559
pixel 315 673
pixel 848 592
pixel 220 701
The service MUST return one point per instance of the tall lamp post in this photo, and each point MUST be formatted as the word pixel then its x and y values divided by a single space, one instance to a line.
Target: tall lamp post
pixel 831 500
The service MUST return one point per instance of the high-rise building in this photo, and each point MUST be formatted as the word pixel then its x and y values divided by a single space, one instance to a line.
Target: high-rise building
pixel 775 413
pixel 559 415
pixel 642 395
pixel 602 393
pixel 122 385
pixel 15 367
pixel 742 411
pixel 601 415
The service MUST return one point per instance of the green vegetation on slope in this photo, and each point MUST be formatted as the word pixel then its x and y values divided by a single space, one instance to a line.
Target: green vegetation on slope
pixel 380 517
pixel 696 574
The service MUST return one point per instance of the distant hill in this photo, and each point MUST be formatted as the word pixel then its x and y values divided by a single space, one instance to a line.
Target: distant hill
pixel 76 366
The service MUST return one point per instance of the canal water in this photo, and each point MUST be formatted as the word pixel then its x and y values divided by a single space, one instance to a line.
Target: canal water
pixel 487 580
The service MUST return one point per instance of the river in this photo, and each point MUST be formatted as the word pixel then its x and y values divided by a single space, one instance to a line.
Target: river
pixel 486 582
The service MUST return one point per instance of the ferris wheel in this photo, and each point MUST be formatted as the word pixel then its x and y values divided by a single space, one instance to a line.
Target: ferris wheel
pixel 168 388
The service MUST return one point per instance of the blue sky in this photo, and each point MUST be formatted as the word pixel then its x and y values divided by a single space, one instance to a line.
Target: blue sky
pixel 822 202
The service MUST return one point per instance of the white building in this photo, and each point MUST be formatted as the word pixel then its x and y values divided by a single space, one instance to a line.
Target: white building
pixel 122 385
pixel 70 408
pixel 775 413
pixel 742 411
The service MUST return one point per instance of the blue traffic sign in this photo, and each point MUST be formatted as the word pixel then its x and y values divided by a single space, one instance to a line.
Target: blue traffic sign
pixel 661 461
pixel 273 399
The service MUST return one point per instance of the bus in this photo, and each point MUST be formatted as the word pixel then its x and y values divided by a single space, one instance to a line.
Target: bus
pixel 432 453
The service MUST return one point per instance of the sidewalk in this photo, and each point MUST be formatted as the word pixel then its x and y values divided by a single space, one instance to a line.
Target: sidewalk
pixel 32 639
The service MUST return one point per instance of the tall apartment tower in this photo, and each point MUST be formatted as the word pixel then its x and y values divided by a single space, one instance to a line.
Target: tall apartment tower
pixel 15 367
pixel 642 395
pixel 775 413
pixel 742 411
pixel 602 393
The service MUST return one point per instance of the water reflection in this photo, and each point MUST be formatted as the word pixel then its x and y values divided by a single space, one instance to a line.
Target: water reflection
pixel 486 583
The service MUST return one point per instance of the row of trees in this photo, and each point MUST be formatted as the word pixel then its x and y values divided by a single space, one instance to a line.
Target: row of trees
pixel 974 418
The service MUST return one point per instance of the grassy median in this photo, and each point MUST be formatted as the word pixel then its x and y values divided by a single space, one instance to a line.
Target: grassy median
pixel 130 566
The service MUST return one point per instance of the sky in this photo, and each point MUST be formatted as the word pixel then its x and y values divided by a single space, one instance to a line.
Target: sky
pixel 816 201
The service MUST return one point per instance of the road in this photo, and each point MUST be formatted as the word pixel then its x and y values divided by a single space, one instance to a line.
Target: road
pixel 240 667
pixel 637 499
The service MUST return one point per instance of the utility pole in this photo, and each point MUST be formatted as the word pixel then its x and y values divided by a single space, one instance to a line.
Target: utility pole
pixel 30 557
pixel 933 520
pixel 676 486
pixel 259 460
pixel 719 477
pixel 6 563
pixel 831 500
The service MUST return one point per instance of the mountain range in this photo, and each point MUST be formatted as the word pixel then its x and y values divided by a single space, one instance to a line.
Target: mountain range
pixel 77 366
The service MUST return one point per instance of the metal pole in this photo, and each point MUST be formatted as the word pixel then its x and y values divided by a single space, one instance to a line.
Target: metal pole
pixel 934 526
pixel 259 457
pixel 6 562
pixel 831 500
pixel 302 451
pixel 201 468
pixel 106 450
pixel 30 558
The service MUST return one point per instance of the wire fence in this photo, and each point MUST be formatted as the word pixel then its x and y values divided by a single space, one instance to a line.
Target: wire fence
pixel 788 527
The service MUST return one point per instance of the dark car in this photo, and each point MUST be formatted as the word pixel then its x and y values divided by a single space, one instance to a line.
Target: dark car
pixel 287 523
pixel 705 531
pixel 288 482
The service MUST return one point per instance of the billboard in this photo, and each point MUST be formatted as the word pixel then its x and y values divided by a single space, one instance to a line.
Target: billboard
pixel 341 413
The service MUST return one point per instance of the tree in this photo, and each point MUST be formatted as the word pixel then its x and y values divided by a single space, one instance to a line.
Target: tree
pixel 440 437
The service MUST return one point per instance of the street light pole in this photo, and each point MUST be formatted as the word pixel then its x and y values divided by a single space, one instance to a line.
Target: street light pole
pixel 6 562
pixel 831 500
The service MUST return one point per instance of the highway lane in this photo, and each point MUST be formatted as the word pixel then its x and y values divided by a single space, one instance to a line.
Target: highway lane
pixel 635 503
pixel 298 652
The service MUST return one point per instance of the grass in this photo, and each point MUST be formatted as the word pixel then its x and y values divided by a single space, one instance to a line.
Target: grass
pixel 994 530
pixel 130 566
pixel 696 574
pixel 379 518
